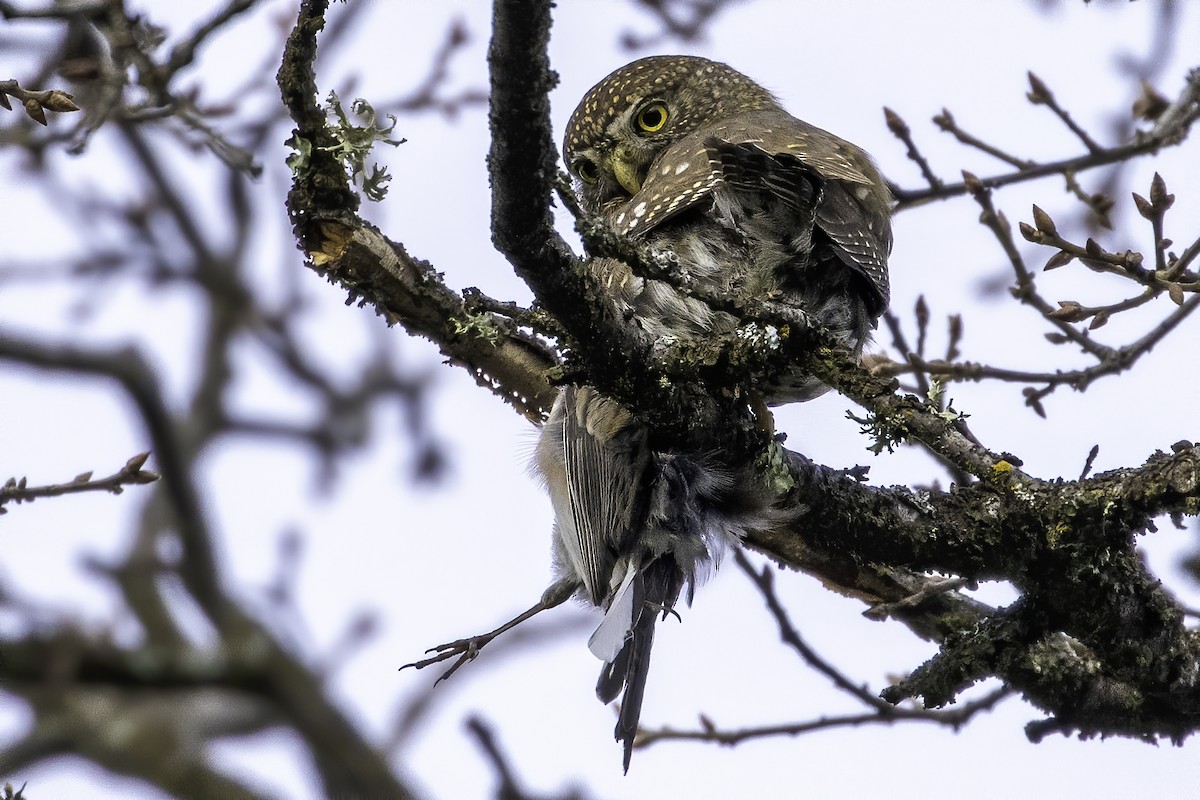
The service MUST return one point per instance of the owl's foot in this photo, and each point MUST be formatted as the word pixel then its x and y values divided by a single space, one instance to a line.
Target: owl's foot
pixel 763 415
pixel 467 649
pixel 666 611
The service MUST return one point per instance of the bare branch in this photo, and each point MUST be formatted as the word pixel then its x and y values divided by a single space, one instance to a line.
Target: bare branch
pixel 131 474
pixel 138 381
pixel 954 718
pixel 37 103
pixel 1171 129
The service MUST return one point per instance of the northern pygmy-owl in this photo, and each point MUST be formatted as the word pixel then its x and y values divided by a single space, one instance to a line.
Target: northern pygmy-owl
pixel 693 157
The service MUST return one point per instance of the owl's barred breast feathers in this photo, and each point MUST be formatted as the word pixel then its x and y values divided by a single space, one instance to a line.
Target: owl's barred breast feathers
pixel 693 157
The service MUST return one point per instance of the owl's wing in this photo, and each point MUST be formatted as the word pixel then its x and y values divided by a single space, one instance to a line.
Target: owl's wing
pixel 859 231
pixel 683 175
pixel 816 172
pixel 854 206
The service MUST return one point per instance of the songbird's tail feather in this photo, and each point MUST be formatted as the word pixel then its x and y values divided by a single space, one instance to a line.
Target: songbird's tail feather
pixel 655 590
pixel 636 670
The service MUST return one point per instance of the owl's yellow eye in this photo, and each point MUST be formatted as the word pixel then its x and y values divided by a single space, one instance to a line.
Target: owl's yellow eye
pixel 652 118
pixel 586 170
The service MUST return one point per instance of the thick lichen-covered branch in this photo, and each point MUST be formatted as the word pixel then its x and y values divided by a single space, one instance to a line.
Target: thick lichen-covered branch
pixel 353 254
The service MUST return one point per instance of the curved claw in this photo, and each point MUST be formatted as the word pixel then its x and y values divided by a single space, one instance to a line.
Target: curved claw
pixel 467 649
pixel 665 611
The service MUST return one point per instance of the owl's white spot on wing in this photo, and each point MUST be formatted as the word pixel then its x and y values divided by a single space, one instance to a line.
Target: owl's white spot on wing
pixel 683 165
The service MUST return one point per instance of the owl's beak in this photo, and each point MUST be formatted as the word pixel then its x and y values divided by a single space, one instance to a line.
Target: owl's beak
pixel 625 173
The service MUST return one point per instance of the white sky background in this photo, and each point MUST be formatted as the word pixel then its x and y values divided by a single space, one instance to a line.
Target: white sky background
pixel 458 559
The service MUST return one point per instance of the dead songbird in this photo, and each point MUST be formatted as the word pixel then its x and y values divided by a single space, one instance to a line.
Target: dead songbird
pixel 691 157
pixel 632 528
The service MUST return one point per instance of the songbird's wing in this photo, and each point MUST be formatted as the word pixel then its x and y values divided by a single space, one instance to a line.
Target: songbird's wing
pixel 594 457
pixel 609 638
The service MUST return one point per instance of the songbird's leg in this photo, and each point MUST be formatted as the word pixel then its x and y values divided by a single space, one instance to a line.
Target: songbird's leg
pixel 467 649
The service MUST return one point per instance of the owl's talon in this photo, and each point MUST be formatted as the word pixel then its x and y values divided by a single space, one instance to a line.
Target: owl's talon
pixel 666 611
pixel 762 414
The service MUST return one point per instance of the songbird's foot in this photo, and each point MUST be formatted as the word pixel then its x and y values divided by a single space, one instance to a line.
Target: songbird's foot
pixel 464 649
pixel 467 649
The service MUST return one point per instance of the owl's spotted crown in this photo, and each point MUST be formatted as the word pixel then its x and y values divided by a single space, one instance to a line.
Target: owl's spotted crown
pixel 704 90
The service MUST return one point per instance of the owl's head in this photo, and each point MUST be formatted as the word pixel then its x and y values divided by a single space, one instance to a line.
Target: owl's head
pixel 625 121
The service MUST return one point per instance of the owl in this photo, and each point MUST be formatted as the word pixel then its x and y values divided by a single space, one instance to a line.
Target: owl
pixel 692 157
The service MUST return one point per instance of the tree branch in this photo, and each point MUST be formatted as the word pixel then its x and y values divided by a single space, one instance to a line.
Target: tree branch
pixel 1171 129
pixel 131 474
pixel 136 378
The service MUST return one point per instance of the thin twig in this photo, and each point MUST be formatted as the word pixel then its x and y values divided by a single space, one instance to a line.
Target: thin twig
pixel 1040 94
pixel 901 131
pixel 954 718
pixel 1170 130
pixel 764 581
pixel 18 491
